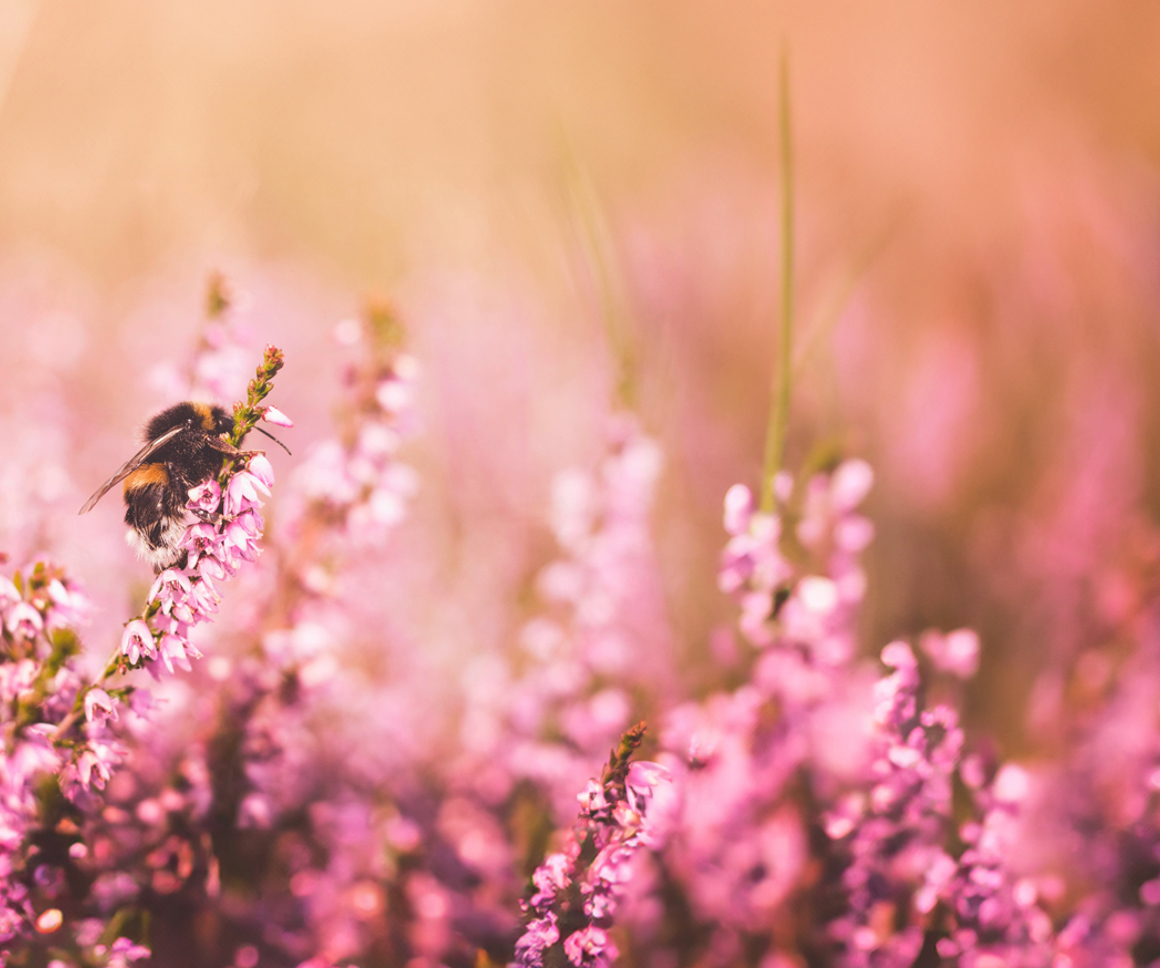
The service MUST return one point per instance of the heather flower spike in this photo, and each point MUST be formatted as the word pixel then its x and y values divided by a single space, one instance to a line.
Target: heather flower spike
pixel 356 479
pixel 225 534
pixel 577 890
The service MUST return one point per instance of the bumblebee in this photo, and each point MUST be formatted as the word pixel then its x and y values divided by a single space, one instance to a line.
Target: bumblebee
pixel 184 446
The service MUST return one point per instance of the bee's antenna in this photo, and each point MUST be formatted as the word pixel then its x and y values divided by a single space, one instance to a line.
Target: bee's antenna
pixel 275 439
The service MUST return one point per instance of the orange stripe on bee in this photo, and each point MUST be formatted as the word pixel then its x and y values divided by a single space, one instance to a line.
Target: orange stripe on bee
pixel 205 411
pixel 146 475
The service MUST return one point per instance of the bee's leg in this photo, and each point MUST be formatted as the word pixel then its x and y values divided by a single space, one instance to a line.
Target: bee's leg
pixel 209 517
pixel 225 447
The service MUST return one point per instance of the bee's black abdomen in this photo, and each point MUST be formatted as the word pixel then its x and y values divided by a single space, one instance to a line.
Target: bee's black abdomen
pixel 155 514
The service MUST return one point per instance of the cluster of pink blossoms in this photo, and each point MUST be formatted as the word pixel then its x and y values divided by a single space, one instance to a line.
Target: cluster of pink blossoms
pixel 893 833
pixel 998 918
pixel 28 730
pixel 227 534
pixel 41 696
pixel 738 840
pixel 60 745
pixel 778 601
pixel 358 477
pixel 578 888
pixel 600 633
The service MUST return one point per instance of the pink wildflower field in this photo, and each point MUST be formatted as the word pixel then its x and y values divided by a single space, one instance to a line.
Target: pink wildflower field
pixel 691 496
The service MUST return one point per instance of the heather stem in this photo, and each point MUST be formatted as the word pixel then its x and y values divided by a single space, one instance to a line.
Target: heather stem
pixel 780 397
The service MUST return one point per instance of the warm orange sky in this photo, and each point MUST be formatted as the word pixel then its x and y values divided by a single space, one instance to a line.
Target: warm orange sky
pixel 369 135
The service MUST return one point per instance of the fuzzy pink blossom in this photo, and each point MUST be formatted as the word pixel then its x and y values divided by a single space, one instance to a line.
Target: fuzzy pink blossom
pixel 275 416
pixel 137 641
pixel 262 469
pixel 23 621
pixel 244 492
pixel 99 705
pixel 205 497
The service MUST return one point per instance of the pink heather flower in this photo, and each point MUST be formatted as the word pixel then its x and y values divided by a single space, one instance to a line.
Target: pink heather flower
pixel 236 540
pixel 9 593
pixel 173 624
pixel 538 936
pixel 94 769
pixel 11 923
pixel 275 416
pixel 16 678
pixel 123 951
pixel 252 522
pixel 137 640
pixel 849 484
pixel 175 650
pixel 551 877
pixel 593 803
pixel 739 509
pixel 608 875
pixel 209 566
pixel 23 621
pixel 244 491
pixel 393 395
pixel 590 947
pixel 36 754
pixel 203 598
pixel 172 588
pixel 955 652
pixel 69 605
pixel 206 497
pixel 262 469
pixel 384 507
pixel 643 778
pixel 198 539
pixel 99 705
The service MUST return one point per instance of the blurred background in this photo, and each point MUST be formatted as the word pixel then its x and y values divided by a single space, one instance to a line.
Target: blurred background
pixel 978 291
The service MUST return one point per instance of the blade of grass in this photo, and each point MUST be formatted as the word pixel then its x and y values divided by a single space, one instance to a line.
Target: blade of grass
pixel 775 433
pixel 595 249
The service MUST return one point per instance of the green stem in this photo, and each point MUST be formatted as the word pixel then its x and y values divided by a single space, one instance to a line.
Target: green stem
pixel 775 433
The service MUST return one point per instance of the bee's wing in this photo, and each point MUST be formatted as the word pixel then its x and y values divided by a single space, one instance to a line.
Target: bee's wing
pixel 129 466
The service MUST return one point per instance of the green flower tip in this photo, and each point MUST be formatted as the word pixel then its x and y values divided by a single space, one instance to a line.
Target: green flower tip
pixel 218 297
pixel 616 771
pixel 383 321
pixel 247 415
